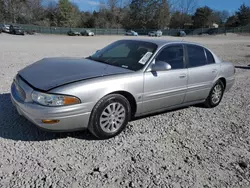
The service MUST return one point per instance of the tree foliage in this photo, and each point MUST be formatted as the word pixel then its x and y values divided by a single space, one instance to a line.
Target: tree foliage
pixel 233 21
pixel 203 17
pixel 129 14
pixel 69 14
pixel 180 20
pixel 243 15
pixel 240 18
pixel 148 14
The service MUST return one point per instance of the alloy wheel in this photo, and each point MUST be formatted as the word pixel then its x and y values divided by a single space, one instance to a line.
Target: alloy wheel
pixel 112 117
pixel 216 94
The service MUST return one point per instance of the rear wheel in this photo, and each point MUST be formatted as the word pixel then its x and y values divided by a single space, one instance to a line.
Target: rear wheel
pixel 215 95
pixel 109 116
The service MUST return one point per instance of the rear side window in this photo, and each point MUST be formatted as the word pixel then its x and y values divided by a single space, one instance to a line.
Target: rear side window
pixel 196 56
pixel 210 57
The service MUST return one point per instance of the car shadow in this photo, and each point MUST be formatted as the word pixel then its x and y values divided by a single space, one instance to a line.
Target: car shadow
pixel 15 127
pixel 243 67
pixel 166 111
pixel 156 114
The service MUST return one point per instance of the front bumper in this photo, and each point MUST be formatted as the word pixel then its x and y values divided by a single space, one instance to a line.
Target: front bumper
pixel 74 117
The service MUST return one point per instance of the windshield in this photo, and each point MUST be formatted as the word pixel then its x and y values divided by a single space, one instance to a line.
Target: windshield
pixel 132 55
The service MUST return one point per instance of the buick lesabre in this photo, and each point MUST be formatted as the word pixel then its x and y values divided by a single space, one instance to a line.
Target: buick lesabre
pixel 126 79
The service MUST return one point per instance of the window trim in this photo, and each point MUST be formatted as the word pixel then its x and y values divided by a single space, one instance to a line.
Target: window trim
pixel 187 55
pixel 205 49
pixel 167 46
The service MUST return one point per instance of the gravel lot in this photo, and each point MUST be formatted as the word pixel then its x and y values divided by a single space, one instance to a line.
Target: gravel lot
pixel 191 147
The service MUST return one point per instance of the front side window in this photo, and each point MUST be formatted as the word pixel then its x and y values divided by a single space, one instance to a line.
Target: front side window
pixel 127 54
pixel 196 56
pixel 173 55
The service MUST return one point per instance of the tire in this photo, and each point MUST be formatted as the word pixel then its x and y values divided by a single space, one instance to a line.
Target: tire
pixel 215 95
pixel 101 122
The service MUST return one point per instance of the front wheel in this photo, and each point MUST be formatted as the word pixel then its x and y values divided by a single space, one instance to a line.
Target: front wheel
pixel 215 95
pixel 109 116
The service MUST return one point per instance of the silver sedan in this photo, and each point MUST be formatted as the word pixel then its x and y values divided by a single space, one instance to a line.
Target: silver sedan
pixel 126 79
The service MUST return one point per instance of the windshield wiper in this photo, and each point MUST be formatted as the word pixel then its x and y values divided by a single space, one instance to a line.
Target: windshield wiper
pixel 108 63
pixel 99 60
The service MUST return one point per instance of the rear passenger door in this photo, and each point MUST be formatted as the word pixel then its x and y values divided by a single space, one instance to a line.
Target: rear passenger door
pixel 202 71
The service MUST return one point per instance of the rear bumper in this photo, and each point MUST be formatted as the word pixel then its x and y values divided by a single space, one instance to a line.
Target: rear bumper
pixel 74 117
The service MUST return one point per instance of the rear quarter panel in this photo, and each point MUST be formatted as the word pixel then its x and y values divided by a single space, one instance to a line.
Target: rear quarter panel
pixel 227 71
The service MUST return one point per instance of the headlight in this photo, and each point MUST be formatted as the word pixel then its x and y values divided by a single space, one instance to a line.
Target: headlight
pixel 53 100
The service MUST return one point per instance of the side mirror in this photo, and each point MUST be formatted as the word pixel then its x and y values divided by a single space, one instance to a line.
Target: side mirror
pixel 160 66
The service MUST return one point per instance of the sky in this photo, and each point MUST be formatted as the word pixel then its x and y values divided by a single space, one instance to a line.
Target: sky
pixel 230 5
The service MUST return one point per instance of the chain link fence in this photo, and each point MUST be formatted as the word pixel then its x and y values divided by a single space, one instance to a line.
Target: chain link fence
pixel 107 31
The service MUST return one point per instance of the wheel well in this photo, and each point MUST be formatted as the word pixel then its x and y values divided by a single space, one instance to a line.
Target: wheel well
pixel 224 82
pixel 130 99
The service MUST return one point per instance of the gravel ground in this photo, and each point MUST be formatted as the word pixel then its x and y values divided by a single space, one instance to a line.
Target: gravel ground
pixel 191 147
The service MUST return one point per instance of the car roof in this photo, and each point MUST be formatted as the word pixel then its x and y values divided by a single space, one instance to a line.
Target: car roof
pixel 162 42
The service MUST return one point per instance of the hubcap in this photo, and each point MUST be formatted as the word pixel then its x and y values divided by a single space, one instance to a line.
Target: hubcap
pixel 112 117
pixel 216 94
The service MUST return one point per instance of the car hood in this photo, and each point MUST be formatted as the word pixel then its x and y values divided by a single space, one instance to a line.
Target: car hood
pixel 49 73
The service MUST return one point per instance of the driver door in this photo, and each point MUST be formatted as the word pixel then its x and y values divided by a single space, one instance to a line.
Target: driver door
pixel 166 88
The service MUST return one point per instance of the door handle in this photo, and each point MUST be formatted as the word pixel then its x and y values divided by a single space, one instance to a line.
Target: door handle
pixel 214 70
pixel 182 75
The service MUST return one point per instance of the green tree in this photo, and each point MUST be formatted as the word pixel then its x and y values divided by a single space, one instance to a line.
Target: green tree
pixel 243 15
pixel 180 20
pixel 232 21
pixel 69 14
pixel 148 14
pixel 137 14
pixel 203 17
pixel 163 17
